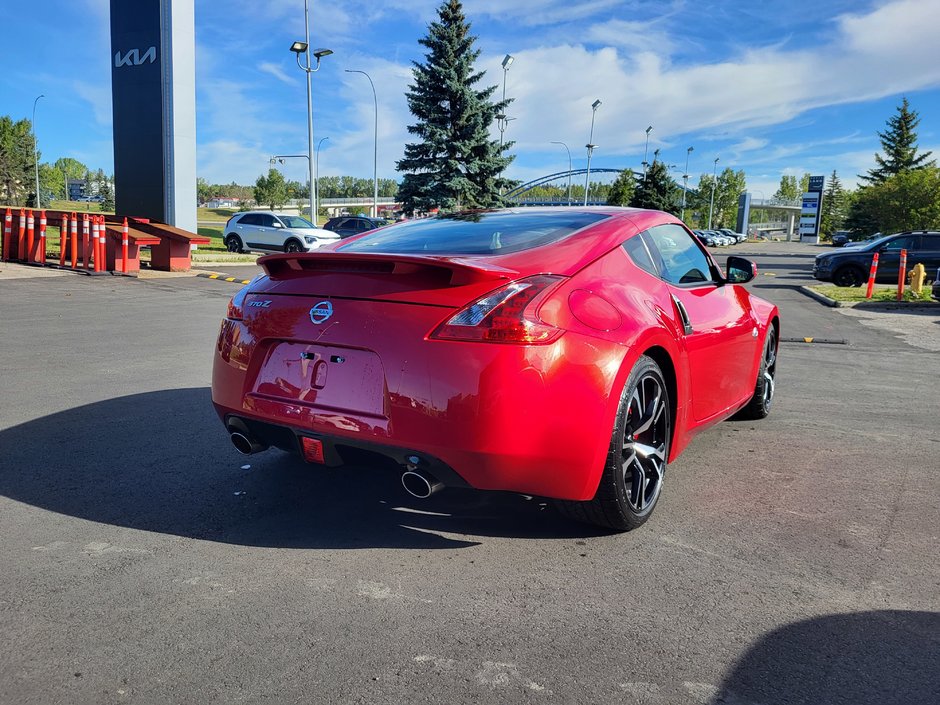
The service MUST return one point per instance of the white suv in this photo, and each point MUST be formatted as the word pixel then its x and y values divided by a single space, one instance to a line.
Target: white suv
pixel 266 232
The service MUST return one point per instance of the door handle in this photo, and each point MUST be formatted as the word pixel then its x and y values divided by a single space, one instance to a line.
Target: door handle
pixel 683 315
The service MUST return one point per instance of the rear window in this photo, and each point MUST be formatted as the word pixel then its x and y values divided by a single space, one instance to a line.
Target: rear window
pixel 482 233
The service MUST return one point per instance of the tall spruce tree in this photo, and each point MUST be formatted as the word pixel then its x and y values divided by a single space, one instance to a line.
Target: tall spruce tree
pixel 657 190
pixel 833 206
pixel 455 165
pixel 899 143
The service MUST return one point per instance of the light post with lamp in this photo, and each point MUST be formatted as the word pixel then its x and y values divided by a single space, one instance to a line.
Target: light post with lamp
pixel 375 146
pixel 685 180
pixel 590 150
pixel 569 168
pixel 36 149
pixel 647 150
pixel 711 205
pixel 304 48
pixel 502 120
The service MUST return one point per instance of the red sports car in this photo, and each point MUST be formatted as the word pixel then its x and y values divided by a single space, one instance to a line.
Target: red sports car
pixel 568 353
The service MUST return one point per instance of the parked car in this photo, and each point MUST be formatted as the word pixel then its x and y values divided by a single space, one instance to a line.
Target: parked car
pixel 266 231
pixel 344 226
pixel 840 238
pixel 737 237
pixel 935 290
pixel 849 266
pixel 567 353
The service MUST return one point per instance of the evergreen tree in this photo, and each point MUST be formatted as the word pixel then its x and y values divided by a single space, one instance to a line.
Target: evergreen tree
pixel 17 182
pixel 455 165
pixel 833 207
pixel 622 190
pixel 657 190
pixel 899 143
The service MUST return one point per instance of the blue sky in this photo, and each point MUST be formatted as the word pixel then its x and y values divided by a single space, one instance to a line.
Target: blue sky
pixel 770 87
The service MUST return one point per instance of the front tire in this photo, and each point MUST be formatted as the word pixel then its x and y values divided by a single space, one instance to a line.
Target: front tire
pixel 848 276
pixel 759 405
pixel 636 459
pixel 293 246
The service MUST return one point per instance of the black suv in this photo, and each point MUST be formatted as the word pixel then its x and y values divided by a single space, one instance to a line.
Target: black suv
pixel 849 266
pixel 346 225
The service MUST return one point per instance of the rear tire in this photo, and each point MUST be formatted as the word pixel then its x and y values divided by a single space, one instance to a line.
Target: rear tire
pixel 233 243
pixel 636 459
pixel 759 405
pixel 848 276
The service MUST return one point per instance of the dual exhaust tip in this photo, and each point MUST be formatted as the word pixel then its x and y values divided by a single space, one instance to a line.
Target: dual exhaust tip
pixel 417 482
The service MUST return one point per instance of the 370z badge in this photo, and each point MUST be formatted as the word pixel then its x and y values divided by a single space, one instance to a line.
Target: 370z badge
pixel 321 312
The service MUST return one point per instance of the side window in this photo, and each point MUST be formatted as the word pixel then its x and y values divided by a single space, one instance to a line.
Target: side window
pixel 681 260
pixel 908 242
pixel 640 255
pixel 267 221
pixel 249 219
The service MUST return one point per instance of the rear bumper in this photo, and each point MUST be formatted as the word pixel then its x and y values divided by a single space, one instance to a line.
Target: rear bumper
pixel 533 419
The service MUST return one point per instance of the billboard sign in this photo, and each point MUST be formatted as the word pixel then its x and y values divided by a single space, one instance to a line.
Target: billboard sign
pixel 811 210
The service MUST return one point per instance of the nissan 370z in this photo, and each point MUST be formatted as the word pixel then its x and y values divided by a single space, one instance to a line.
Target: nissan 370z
pixel 569 353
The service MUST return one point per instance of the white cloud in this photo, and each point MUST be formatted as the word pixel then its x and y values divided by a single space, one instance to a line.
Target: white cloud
pixel 278 73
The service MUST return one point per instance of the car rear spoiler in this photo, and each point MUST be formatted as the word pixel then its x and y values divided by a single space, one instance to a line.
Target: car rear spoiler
pixel 457 271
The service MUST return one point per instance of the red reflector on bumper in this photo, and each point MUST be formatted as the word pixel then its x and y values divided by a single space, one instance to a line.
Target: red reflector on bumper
pixel 313 449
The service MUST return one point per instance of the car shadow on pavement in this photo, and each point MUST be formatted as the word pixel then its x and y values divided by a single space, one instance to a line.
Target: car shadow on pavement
pixel 885 657
pixel 162 462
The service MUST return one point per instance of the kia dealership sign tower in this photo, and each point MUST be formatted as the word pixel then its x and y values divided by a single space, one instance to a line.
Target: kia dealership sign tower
pixel 153 87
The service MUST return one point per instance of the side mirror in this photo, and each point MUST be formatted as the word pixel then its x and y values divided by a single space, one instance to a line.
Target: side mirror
pixel 740 270
pixel 277 224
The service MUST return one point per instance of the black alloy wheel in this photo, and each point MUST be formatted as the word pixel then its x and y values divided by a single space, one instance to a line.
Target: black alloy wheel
pixel 636 460
pixel 233 243
pixel 848 276
pixel 759 405
pixel 292 246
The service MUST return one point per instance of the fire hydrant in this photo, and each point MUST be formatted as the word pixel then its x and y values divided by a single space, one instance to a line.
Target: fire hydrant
pixel 917 275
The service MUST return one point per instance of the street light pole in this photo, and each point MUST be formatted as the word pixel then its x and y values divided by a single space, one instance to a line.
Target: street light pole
pixel 316 160
pixel 375 146
pixel 503 121
pixel 647 150
pixel 711 206
pixel 590 149
pixel 569 169
pixel 304 48
pixel 685 179
pixel 36 149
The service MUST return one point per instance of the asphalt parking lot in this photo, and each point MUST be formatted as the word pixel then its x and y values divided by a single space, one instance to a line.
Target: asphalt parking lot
pixel 792 560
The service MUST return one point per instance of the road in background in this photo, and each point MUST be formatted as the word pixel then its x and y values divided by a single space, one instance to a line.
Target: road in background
pixel 791 560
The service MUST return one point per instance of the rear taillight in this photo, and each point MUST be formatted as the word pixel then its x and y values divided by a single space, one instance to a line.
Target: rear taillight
pixel 507 315
pixel 236 304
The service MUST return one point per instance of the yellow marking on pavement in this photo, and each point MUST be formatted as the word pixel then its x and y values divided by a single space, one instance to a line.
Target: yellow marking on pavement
pixel 213 276
pixel 229 279
pixel 769 274
pixel 807 340
pixel 246 281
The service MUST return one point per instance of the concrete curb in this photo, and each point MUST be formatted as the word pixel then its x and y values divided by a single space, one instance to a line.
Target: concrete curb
pixel 823 299
pixel 872 305
pixel 223 278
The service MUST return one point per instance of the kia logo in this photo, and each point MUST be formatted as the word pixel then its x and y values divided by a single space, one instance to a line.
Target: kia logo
pixel 321 312
pixel 133 57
